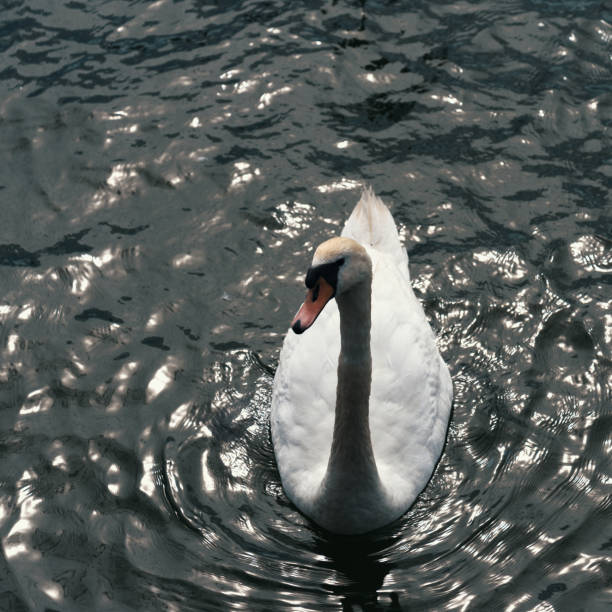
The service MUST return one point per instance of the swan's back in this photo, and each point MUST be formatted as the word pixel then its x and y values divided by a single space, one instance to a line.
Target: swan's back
pixel 411 388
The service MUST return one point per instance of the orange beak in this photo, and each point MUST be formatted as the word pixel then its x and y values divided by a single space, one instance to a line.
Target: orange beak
pixel 315 301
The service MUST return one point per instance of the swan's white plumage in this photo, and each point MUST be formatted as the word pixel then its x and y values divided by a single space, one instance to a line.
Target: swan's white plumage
pixel 411 390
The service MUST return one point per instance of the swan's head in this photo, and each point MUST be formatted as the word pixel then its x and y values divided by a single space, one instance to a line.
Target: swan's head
pixel 337 266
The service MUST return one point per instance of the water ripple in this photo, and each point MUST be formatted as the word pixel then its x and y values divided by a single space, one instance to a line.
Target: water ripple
pixel 170 168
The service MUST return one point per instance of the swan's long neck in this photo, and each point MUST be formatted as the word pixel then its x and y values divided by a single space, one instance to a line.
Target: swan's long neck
pixel 352 478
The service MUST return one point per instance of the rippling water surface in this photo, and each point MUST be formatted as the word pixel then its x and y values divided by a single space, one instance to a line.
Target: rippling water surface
pixel 168 168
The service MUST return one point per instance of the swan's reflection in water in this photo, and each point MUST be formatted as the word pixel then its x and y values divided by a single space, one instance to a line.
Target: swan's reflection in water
pixel 360 568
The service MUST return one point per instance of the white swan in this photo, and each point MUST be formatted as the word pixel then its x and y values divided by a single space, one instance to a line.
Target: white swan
pixel 361 402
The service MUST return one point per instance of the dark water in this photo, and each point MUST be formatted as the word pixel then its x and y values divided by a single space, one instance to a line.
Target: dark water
pixel 167 168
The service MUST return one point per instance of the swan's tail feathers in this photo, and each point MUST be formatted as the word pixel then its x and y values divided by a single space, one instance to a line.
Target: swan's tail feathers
pixel 371 224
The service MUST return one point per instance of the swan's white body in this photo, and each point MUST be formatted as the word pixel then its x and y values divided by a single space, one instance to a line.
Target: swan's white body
pixel 409 401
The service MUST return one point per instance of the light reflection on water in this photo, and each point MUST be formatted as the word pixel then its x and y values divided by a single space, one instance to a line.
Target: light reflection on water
pixel 169 169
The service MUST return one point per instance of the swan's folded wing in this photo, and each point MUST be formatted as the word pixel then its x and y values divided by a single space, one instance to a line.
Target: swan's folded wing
pixel 411 388
pixel 303 405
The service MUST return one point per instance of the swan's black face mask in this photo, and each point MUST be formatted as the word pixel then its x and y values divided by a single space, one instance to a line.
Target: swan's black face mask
pixel 322 282
pixel 328 271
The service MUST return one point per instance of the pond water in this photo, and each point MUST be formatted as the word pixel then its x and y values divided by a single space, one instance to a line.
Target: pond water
pixel 168 168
